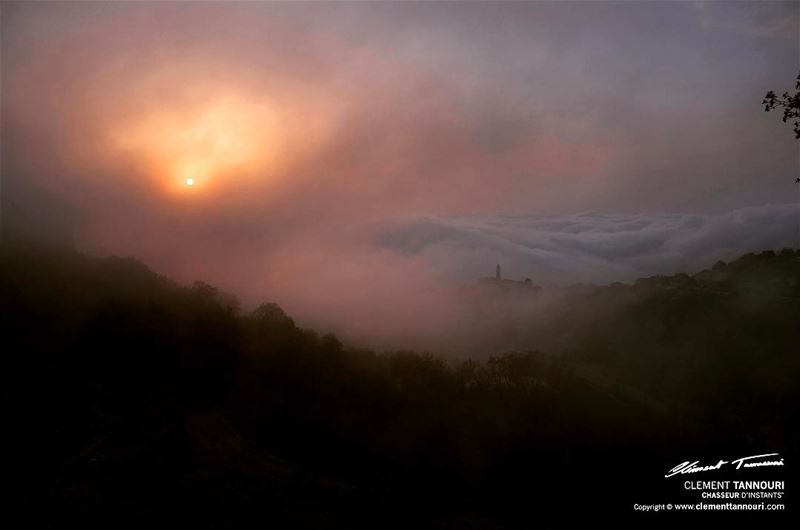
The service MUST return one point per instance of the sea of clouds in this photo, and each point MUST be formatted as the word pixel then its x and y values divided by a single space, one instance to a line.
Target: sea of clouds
pixel 591 247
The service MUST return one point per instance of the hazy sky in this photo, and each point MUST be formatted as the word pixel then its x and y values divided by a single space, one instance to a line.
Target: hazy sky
pixel 320 135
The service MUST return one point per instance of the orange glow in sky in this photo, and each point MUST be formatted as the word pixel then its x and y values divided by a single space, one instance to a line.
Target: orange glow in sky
pixel 218 140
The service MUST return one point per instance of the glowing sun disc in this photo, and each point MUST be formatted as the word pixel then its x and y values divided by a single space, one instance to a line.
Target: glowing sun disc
pixel 190 181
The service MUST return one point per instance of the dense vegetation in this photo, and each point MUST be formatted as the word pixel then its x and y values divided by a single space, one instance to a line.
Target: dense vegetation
pixel 125 393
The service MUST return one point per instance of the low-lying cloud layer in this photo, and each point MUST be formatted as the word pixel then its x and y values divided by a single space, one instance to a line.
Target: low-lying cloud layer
pixel 592 247
pixel 407 284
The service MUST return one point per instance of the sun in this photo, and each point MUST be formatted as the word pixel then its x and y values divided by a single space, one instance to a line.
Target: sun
pixel 216 138
pixel 202 143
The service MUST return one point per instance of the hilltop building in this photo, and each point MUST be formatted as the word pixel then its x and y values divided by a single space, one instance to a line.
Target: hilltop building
pixel 507 283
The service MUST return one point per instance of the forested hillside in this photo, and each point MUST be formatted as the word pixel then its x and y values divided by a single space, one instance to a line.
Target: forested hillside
pixel 124 391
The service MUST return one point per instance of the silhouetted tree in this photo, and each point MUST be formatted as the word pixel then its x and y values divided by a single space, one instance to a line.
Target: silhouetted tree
pixel 789 103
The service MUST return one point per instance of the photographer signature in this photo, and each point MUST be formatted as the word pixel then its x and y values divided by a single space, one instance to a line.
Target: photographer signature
pixel 746 461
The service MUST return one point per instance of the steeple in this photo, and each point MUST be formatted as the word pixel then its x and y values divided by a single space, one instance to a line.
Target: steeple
pixel 497 272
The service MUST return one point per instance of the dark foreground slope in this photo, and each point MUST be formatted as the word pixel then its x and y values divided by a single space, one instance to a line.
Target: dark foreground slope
pixel 130 400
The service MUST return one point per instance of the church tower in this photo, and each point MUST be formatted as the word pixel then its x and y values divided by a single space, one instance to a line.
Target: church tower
pixel 497 272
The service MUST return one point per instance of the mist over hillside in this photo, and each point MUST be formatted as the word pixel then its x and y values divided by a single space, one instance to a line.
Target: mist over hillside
pixel 458 316
pixel 125 389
